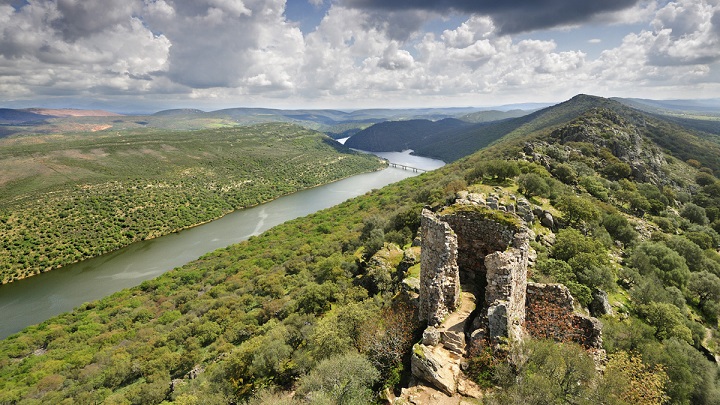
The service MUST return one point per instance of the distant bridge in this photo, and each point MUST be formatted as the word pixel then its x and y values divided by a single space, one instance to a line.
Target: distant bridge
pixel 406 167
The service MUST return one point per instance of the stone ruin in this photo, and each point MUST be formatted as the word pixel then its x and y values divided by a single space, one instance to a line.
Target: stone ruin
pixel 474 289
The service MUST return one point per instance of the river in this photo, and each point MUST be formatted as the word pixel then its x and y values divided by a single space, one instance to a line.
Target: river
pixel 35 299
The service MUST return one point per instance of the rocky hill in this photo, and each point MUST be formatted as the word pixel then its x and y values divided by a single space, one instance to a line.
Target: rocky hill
pixel 489 277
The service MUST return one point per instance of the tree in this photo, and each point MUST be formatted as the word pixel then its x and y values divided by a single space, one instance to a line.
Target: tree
pixel 570 242
pixel 668 321
pixel 704 290
pixel 695 214
pixel 343 379
pixel 619 228
pixel 532 184
pixel 565 173
pixel 692 376
pixel 628 380
pixel 561 272
pixel 577 210
pixel 668 265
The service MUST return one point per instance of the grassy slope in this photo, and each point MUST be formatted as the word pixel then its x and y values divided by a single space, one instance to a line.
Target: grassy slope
pixel 241 312
pixel 70 197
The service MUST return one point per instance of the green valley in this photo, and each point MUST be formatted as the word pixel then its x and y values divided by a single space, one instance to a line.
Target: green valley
pixel 323 309
pixel 68 197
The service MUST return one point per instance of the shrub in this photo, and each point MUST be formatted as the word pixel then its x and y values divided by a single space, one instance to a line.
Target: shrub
pixel 551 374
pixel 565 173
pixel 617 171
pixel 619 228
pixel 595 187
pixel 494 169
pixel 343 379
pixel 656 258
pixel 628 380
pixel 694 213
pixel 532 184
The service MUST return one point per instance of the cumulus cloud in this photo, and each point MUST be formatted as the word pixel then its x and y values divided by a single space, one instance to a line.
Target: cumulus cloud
pixel 361 51
pixel 54 48
pixel 685 33
pixel 510 16
pixel 80 18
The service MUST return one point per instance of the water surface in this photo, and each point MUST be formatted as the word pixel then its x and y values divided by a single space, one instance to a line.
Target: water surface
pixel 35 299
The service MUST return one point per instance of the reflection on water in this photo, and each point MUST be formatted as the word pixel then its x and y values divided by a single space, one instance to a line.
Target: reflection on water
pixel 38 298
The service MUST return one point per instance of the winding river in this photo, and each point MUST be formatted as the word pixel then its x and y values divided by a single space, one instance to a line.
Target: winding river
pixel 35 299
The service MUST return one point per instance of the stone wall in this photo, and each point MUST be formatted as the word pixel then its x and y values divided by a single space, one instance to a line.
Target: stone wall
pixel 506 274
pixel 487 251
pixel 550 314
pixel 477 237
pixel 439 272
pixel 488 254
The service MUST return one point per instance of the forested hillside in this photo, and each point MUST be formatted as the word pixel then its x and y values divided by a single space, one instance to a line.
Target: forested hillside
pixel 397 136
pixel 321 309
pixel 65 198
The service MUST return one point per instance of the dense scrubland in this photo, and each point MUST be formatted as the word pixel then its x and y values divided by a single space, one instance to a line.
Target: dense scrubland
pixel 316 311
pixel 65 198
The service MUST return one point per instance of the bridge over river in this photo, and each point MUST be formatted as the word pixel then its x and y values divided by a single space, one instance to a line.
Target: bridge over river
pixel 406 167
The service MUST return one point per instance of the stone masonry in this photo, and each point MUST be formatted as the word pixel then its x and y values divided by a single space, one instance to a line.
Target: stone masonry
pixel 486 251
pixel 439 272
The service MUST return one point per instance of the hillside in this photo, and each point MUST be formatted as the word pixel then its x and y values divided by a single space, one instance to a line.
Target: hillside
pixel 67 198
pixel 493 115
pixel 10 116
pixel 397 136
pixel 323 308
pixel 337 124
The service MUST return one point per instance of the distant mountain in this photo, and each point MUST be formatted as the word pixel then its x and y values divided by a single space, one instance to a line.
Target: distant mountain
pixel 401 135
pixel 711 106
pixel 72 112
pixel 12 116
pixel 450 144
pixel 701 115
pixel 494 115
pixel 178 112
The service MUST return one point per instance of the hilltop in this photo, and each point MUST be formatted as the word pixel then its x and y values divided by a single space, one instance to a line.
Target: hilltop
pixel 452 144
pixel 619 207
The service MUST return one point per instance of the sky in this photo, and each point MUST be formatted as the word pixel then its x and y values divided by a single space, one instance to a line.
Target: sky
pixel 147 55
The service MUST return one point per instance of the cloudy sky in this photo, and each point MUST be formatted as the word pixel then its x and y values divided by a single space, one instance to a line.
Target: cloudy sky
pixel 155 54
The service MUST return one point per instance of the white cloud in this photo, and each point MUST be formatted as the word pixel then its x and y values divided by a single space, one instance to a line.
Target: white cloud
pixel 246 50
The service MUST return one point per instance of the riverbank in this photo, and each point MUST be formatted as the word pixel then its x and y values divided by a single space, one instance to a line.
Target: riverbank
pixel 85 197
pixel 35 299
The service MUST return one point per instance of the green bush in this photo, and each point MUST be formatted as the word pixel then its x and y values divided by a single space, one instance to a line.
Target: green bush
pixel 343 379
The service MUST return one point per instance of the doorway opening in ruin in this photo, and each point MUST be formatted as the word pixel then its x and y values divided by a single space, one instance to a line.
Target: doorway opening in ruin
pixel 477 237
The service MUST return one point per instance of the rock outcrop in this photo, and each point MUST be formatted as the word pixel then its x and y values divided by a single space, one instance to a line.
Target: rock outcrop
pixel 437 366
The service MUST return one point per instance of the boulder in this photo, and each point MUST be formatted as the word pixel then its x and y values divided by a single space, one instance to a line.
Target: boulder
pixel 435 366
pixel 600 304
pixel 431 336
pixel 547 220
